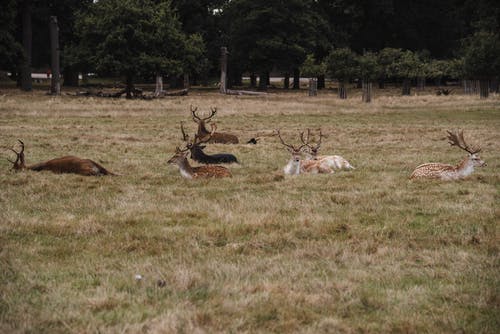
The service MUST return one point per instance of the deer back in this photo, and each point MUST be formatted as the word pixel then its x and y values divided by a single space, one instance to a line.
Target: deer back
pixel 71 164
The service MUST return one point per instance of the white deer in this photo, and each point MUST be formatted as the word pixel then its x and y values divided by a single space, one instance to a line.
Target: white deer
pixel 296 165
pixel 331 161
pixel 448 172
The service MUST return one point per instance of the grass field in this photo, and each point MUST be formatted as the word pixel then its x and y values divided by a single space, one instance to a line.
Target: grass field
pixel 363 251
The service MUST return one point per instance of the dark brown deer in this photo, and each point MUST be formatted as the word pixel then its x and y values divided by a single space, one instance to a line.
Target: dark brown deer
pixel 218 137
pixel 68 164
pixel 197 153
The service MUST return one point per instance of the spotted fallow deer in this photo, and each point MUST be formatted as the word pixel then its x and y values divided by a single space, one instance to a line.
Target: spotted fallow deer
pixel 68 164
pixel 189 172
pixel 218 137
pixel 331 161
pixel 296 165
pixel 448 172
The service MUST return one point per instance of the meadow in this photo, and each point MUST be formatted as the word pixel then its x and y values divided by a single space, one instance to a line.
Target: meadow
pixel 362 251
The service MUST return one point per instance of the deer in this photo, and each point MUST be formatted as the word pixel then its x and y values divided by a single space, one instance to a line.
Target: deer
pixel 448 172
pixel 189 172
pixel 218 137
pixel 296 165
pixel 197 153
pixel 67 164
pixel 332 161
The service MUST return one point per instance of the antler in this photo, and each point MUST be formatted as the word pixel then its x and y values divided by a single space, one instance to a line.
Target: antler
pixel 185 137
pixel 19 156
pixel 197 118
pixel 457 139
pixel 288 145
pixel 314 149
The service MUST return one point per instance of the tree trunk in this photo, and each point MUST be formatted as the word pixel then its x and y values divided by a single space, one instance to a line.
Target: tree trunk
pixel 296 78
pixel 129 86
pixel 253 80
pixel 406 86
pixel 26 83
pixel 494 85
pixel 186 80
pixel 359 84
pixel 421 83
pixel 159 84
pixel 263 81
pixel 223 70
pixel 342 90
pixel 70 76
pixel 55 83
pixel 367 91
pixel 313 87
pixel 321 81
pixel 286 83
pixel 381 83
pixel 484 88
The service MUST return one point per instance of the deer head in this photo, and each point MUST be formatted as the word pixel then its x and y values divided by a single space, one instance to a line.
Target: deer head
pixel 197 138
pixel 294 151
pixel 456 138
pixel 201 121
pixel 18 164
pixel 312 149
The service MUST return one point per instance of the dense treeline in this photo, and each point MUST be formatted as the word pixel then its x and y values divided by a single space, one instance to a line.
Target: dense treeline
pixel 404 41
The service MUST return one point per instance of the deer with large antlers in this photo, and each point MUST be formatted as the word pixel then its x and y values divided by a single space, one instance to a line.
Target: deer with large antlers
pixel 217 137
pixel 449 172
pixel 331 161
pixel 197 153
pixel 68 164
pixel 189 172
pixel 296 165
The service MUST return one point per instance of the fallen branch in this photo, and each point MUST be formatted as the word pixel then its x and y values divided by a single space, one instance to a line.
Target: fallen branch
pixel 243 92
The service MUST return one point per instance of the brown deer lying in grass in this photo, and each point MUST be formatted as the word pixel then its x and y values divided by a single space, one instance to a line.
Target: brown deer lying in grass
pixel 331 161
pixel 188 172
pixel 218 137
pixel 68 164
pixel 449 172
pixel 296 165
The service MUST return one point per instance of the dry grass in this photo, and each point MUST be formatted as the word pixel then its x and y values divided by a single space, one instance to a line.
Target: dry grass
pixel 361 251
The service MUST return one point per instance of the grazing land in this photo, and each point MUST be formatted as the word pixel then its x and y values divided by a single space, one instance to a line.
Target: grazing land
pixel 363 251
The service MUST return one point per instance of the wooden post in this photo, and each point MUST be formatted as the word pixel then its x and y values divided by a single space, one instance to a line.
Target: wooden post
pixel 55 83
pixel 313 86
pixel 223 70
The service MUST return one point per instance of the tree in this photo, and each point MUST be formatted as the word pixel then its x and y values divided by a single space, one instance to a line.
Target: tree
pixel 132 38
pixel 11 52
pixel 406 66
pixel 268 35
pixel 341 64
pixel 385 58
pixel 368 69
pixel 482 58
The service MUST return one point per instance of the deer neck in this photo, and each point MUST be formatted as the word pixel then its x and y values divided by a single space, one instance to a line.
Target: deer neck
pixel 185 168
pixel 293 167
pixel 202 130
pixel 465 167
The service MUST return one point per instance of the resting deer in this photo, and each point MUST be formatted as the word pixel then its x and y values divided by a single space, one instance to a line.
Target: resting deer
pixel 188 172
pixel 332 161
pixel 197 153
pixel 296 165
pixel 449 172
pixel 68 164
pixel 218 137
